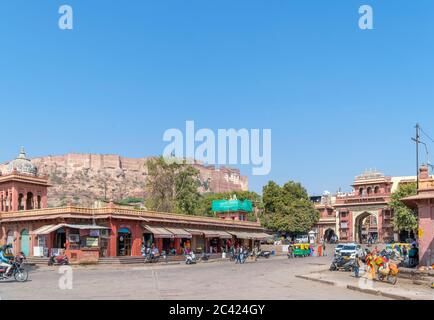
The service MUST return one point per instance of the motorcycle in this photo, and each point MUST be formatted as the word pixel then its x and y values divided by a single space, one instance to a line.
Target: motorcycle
pixel 245 255
pixel 263 254
pixel 190 258
pixel 59 260
pixel 232 256
pixel 153 258
pixel 340 263
pixel 17 270
pixel 205 257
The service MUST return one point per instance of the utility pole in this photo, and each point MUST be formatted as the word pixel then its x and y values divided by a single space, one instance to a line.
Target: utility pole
pixel 417 140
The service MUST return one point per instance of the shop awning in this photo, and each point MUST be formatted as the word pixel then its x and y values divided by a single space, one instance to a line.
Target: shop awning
pixel 205 233
pixel 195 232
pixel 180 233
pixel 46 229
pixel 250 235
pixel 261 236
pixel 159 232
pixel 85 227
pixel 224 235
pixel 53 227
pixel 240 235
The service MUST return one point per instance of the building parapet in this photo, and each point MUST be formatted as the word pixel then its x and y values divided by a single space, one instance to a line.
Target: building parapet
pixel 123 212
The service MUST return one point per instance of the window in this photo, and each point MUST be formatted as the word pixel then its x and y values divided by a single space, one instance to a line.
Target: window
pixel 20 202
pixel 39 199
pixel 29 203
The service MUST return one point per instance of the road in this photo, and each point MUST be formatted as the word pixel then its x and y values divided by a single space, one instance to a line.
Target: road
pixel 262 280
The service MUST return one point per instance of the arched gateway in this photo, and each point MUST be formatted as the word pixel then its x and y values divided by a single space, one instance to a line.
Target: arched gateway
pixel 366 227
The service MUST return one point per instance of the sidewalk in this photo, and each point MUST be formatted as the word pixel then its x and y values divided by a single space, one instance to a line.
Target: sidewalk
pixel 403 290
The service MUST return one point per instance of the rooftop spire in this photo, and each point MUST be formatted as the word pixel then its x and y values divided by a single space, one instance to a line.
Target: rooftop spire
pixel 22 153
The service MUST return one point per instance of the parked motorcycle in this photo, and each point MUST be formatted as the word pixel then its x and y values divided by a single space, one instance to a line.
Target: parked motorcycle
pixel 245 256
pixel 263 254
pixel 17 271
pixel 340 263
pixel 153 258
pixel 205 257
pixel 190 258
pixel 59 260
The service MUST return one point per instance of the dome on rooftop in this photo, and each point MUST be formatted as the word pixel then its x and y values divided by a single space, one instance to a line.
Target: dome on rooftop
pixel 22 165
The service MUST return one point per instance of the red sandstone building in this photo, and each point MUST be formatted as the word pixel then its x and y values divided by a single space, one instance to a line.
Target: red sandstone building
pixel 362 214
pixel 424 203
pixel 87 234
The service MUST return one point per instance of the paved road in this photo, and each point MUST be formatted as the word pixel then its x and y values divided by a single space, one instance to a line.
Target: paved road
pixel 263 280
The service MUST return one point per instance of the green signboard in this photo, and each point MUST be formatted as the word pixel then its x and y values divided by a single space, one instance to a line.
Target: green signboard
pixel 232 205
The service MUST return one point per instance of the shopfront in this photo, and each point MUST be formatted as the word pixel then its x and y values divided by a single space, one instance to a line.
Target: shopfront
pixel 81 243
pixel 163 239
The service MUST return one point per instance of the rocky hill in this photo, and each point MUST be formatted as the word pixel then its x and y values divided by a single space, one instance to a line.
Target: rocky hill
pixel 82 179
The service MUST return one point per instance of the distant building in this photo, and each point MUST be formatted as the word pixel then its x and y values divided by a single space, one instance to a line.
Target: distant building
pixel 363 214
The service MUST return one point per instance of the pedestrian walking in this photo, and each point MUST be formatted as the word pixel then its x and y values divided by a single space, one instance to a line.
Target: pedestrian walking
pixel 357 265
pixel 238 253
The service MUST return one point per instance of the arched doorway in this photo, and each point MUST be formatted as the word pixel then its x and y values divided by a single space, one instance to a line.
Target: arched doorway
pixel 25 242
pixel 124 242
pixel 366 228
pixel 30 202
pixel 329 235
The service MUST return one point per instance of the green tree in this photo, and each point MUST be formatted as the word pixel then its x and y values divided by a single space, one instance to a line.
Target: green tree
pixel 172 186
pixel 288 208
pixel 404 218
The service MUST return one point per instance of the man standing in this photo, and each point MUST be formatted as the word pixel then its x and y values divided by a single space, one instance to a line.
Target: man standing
pixel 357 265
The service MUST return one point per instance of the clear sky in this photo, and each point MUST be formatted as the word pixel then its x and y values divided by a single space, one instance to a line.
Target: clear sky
pixel 338 99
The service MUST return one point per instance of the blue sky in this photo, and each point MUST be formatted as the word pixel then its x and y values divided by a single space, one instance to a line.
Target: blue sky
pixel 338 99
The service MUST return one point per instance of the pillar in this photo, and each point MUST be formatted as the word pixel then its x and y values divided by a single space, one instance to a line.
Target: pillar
pixel 178 245
pixel 159 244
pixel 380 225
pixel 14 200
pixel 137 235
pixel 113 240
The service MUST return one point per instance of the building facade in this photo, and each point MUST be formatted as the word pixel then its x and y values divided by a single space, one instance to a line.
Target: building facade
pixel 424 203
pixel 87 234
pixel 362 215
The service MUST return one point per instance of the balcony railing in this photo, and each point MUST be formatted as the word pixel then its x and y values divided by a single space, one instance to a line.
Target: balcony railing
pixel 356 199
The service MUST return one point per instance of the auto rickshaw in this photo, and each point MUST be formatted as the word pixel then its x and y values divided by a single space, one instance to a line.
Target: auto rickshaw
pixel 301 250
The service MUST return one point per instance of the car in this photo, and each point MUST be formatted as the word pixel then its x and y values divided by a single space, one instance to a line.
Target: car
pixel 302 239
pixel 338 249
pixel 351 250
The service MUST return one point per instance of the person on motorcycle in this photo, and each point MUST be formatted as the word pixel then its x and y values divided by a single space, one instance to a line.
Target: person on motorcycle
pixel 5 261
pixel 154 251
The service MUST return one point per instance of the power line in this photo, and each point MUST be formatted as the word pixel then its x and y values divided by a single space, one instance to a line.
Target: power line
pixel 426 134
